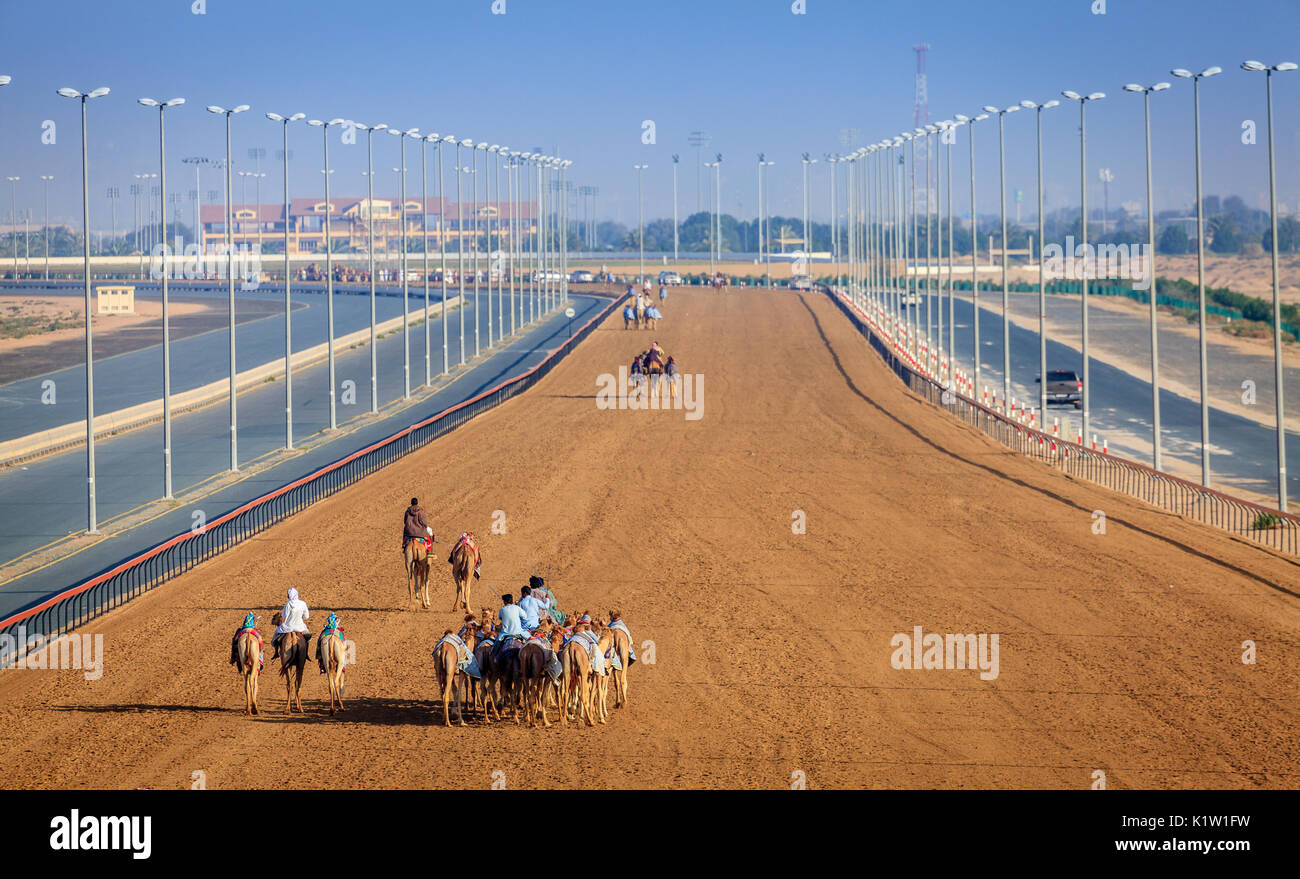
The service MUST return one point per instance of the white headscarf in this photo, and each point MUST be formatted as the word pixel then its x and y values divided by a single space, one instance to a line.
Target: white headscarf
pixel 293 596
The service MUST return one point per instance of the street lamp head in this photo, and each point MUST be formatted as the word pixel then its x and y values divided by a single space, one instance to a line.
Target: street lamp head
pixel 467 142
pixel 981 117
pixel 1211 71
pixel 240 109
pixel 412 132
pixel 1050 104
pixel 1074 96
pixel 1013 108
pixel 220 111
pixel 69 93
pixel 1181 73
pixel 5 80
pixel 148 102
pixel 99 92
pixel 961 119
pixel 1096 96
pixel 1253 65
pixel 297 116
pixel 988 108
pixel 1160 87
pixel 481 145
pixel 1285 65
pixel 450 138
pixel 174 102
pixel 314 122
pixel 1133 87
pixel 276 117
pixel 1029 105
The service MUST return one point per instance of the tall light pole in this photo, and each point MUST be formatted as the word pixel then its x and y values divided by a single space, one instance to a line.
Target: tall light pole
pixel 1200 264
pixel 807 206
pixel 230 275
pixel 717 181
pixel 1257 66
pixel 952 308
pixel 460 245
pixel 1150 270
pixel 91 523
pixel 13 220
pixel 197 162
pixel 480 147
pixel 974 249
pixel 490 170
pixel 424 233
pixel 329 264
pixel 527 172
pixel 676 225
pixel 45 181
pixel 831 161
pixel 1042 276
pixel 166 270
pixel 712 267
pixel 288 338
pixel 406 287
pixel 442 243
pixel 1083 224
pixel 640 219
pixel 1006 290
pixel 370 250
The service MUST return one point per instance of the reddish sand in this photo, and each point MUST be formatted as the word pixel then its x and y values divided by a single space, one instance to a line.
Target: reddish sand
pixel 1119 652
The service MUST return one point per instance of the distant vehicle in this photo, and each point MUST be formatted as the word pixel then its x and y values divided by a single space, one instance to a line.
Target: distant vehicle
pixel 1064 386
pixel 801 284
pixel 911 298
pixel 669 278
pixel 582 276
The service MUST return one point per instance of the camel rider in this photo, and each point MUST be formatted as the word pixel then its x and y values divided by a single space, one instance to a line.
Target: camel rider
pixel 415 524
pixel 250 625
pixel 512 624
pixel 295 616
pixel 531 607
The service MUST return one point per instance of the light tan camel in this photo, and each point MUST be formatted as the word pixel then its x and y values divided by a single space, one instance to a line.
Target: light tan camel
pixel 248 649
pixel 623 648
pixel 445 660
pixel 330 651
pixel 574 683
pixel 417 571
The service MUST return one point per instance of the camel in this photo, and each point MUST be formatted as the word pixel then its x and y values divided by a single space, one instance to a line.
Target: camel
pixel 417 571
pixel 248 649
pixel 532 678
pixel 622 647
pixel 481 647
pixel 463 562
pixel 600 681
pixel 445 661
pixel 293 658
pixel 329 653
pixel 576 665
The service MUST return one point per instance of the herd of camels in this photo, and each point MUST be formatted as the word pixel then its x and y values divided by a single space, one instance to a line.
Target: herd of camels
pixel 524 678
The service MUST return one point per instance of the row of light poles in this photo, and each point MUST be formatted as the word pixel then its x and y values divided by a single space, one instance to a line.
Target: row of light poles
pixel 876 253
pixel 544 257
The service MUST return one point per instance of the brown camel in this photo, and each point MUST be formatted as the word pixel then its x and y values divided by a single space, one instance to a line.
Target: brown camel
pixel 622 647
pixel 248 649
pixel 417 571
pixel 464 558
pixel 600 682
pixel 445 660
pixel 574 683
pixel 532 675
pixel 293 658
pixel 483 688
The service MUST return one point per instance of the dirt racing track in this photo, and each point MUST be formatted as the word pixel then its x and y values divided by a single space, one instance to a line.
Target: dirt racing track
pixel 1119 652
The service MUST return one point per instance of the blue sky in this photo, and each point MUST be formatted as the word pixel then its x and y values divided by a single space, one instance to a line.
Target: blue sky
pixel 580 77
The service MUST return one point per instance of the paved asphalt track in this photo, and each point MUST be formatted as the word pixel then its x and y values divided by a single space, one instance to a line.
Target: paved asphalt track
pixel 1242 452
pixel 44 500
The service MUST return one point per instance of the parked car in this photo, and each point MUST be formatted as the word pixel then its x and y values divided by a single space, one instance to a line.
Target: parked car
pixel 669 278
pixel 582 276
pixel 1064 386
pixel 801 284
